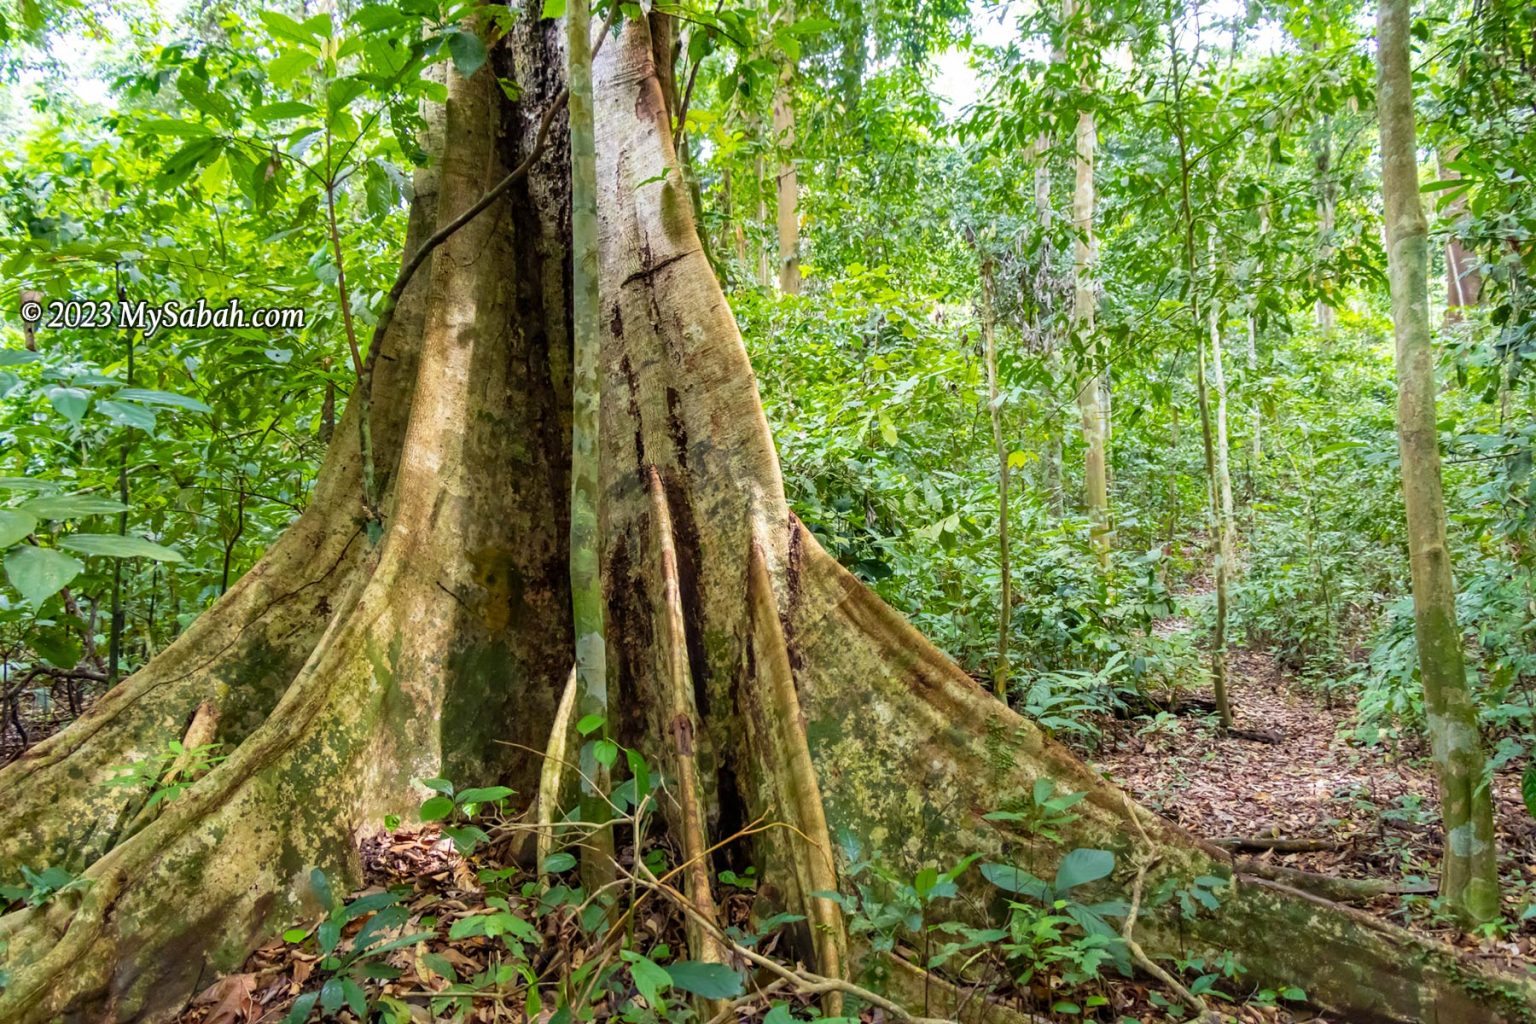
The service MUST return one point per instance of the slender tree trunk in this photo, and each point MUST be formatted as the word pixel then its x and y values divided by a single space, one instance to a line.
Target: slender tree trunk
pixel 1469 865
pixel 1218 532
pixel 995 404
pixel 1045 339
pixel 788 188
pixel 1323 155
pixel 1092 354
pixel 586 575
pixel 1223 477
pixel 1255 412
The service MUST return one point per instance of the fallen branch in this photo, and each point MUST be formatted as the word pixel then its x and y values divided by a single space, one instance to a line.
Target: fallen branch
pixel 1331 887
pixel 1262 844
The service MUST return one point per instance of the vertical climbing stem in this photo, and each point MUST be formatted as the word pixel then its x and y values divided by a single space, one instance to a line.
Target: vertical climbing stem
pixel 586 579
pixel 994 402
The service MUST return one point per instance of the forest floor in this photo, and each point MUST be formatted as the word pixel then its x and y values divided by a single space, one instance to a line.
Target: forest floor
pixel 1370 808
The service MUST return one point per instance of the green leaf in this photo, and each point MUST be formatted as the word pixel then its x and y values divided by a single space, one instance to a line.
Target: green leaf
pixel 287 66
pixel 712 981
pixel 1012 879
pixel 340 93
pixel 68 506
pixel 606 752
pixel 113 546
pixel 187 159
pixel 14 526
pixel 17 356
pixel 149 397
pixel 650 979
pixel 125 415
pixel 69 402
pixel 589 724
pixel 1082 866
pixel 39 573
pixel 558 862
pixel 302 1008
pixel 25 483
pixel 284 27
pixel 284 111
pixel 468 52
pixel 484 795
pixel 553 9
pixel 331 995
pixel 1528 787
pixel 436 808
pixel 442 786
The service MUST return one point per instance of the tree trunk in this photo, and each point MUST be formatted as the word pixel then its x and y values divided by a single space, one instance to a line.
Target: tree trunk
pixel 1223 463
pixel 788 179
pixel 995 404
pixel 739 653
pixel 1326 203
pixel 1469 868
pixel 1219 534
pixel 1091 402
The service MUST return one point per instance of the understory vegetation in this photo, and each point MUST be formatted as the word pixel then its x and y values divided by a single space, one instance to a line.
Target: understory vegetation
pixel 1082 335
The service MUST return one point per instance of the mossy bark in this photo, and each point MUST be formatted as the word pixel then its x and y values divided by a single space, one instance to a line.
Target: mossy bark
pixel 792 691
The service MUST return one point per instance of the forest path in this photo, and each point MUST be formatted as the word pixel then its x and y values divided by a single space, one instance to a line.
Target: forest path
pixel 1373 806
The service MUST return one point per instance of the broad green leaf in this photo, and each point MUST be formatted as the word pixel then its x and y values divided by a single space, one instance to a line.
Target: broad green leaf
pixel 287 66
pixel 17 356
pixel 284 27
pixel 1013 879
pixel 1082 866
pixel 69 402
pixel 26 483
pixel 284 111
pixel 484 795
pixel 1528 787
pixel 15 525
pixel 111 545
pixel 650 979
pixel 150 397
pixel 178 129
pixel 187 159
pixel 39 573
pixel 467 50
pixel 553 9
pixel 558 862
pixel 68 506
pixel 436 808
pixel 126 415
pixel 712 981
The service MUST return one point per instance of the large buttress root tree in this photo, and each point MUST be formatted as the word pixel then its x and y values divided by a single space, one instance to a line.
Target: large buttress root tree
pixel 763 677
